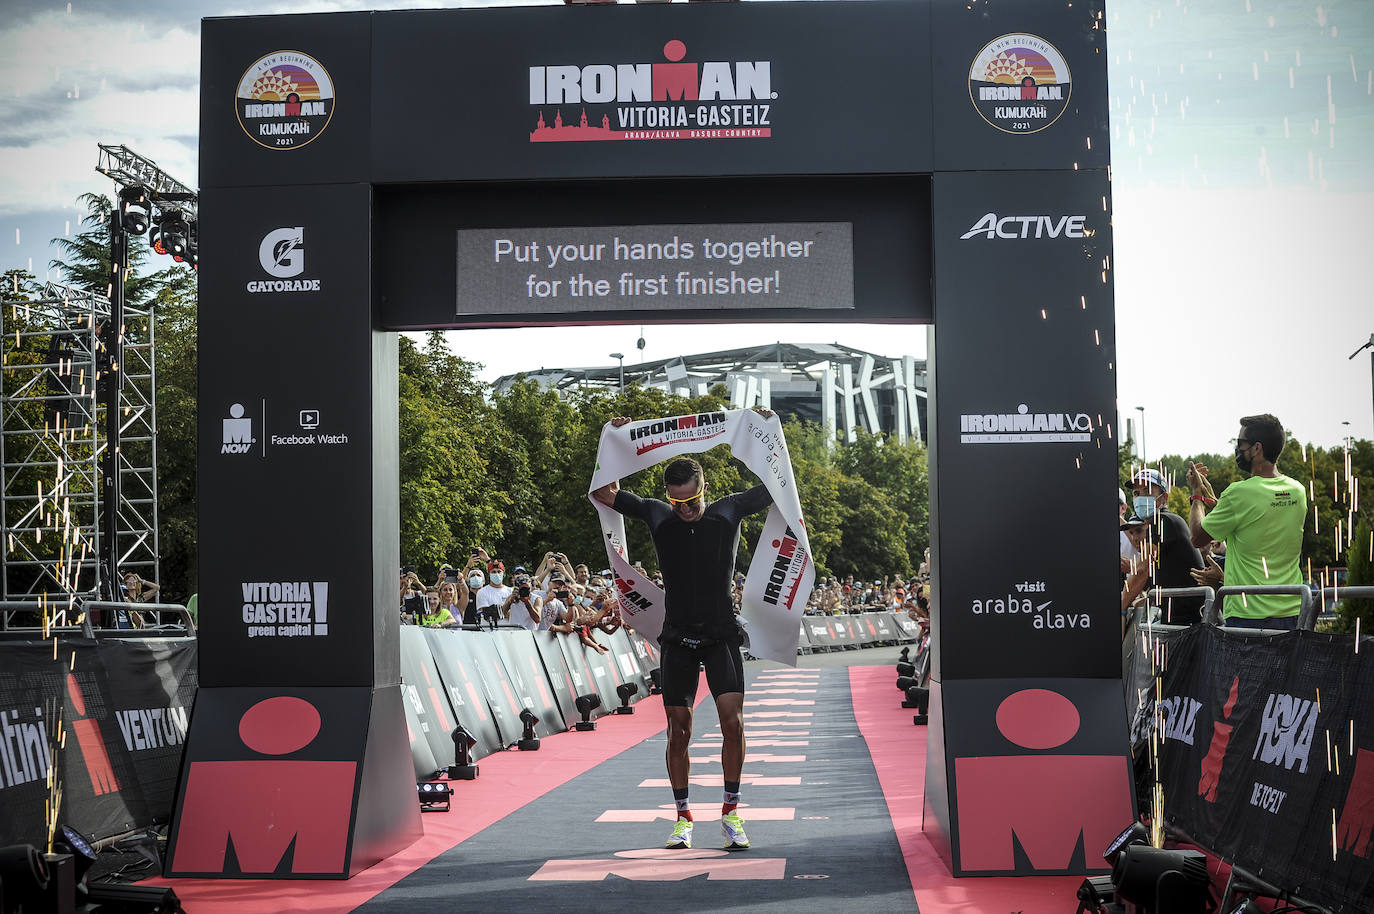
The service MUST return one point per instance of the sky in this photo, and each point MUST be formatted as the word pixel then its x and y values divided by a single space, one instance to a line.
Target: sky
pixel 1242 183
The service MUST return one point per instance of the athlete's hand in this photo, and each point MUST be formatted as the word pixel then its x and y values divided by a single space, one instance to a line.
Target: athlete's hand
pixel 618 421
pixel 606 494
pixel 765 413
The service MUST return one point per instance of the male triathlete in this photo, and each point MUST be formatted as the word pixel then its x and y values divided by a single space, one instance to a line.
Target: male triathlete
pixel 696 544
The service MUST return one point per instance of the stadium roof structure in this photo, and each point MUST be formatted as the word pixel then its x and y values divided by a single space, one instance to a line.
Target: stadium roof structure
pixel 839 386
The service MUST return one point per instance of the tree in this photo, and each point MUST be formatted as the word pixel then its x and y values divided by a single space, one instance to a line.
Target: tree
pixel 1359 561
pixel 175 353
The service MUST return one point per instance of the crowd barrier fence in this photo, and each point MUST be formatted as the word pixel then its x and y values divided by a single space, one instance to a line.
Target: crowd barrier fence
pixel 124 698
pixel 1266 751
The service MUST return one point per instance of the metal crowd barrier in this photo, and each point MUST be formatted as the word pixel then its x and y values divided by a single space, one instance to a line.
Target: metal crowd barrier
pixel 181 623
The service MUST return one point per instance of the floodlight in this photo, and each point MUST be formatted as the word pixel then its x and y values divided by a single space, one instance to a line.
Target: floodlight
pixel 24 875
pixel 528 742
pixel 626 691
pixel 462 768
pixel 175 233
pixel 70 841
pixel 1095 896
pixel 1163 881
pixel 906 669
pixel 905 655
pixel 1135 833
pixel 149 899
pixel 586 704
pixel 134 206
pixel 433 796
pixel 656 681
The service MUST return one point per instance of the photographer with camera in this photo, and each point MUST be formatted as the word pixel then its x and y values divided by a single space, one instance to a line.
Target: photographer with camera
pixel 412 599
pixel 524 606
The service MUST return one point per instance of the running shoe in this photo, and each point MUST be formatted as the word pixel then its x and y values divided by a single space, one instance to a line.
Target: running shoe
pixel 681 838
pixel 732 826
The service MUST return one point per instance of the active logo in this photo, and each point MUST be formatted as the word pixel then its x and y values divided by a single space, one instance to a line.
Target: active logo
pixel 281 254
pixel 286 609
pixel 1019 83
pixel 285 100
pixel 675 99
pixel 1041 226
pixel 1024 426
pixel 238 432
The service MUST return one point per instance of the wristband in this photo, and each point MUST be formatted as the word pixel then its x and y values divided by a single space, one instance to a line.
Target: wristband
pixel 1209 502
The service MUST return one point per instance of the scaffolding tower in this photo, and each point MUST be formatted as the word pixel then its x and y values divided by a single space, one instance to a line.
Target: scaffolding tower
pixel 51 445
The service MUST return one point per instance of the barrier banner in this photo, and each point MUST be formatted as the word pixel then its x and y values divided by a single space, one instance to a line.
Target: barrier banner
pixel 496 685
pixel 646 650
pixel 451 682
pixel 584 674
pixel 123 705
pixel 818 631
pixel 420 754
pixel 884 626
pixel 782 572
pixel 531 682
pixel 631 670
pixel 1267 755
pixel 565 687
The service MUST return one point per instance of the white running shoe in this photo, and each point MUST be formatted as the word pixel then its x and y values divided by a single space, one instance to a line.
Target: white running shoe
pixel 732 826
pixel 681 838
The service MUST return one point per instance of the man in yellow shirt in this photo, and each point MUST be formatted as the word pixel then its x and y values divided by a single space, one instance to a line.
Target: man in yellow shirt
pixel 1261 519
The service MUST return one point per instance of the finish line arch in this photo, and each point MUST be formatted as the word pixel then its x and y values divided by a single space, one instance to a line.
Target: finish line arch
pixel 871 161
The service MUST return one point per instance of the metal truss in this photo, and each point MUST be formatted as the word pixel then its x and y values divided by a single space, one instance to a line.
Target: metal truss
pixel 51 445
pixel 129 169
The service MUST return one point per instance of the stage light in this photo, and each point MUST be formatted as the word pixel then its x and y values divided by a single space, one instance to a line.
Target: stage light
pixel 462 768
pixel 1095 896
pixel 626 691
pixel 134 206
pixel 433 796
pixel 586 704
pixel 528 742
pixel 1163 882
pixel 904 656
pixel 175 233
pixel 916 697
pixel 1135 833
pixel 656 681
pixel 906 669
pixel 146 899
pixel 24 876
pixel 70 841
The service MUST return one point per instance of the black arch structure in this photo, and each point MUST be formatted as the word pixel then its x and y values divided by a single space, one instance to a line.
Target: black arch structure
pixel 947 162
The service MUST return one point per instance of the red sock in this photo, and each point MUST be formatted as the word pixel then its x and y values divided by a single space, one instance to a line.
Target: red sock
pixel 685 814
pixel 727 808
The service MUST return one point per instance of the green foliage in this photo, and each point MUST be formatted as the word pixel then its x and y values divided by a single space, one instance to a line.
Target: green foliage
pixel 174 314
pixel 1359 561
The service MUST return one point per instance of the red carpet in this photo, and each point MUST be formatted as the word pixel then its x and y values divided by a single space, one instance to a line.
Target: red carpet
pixel 898 749
pixel 507 781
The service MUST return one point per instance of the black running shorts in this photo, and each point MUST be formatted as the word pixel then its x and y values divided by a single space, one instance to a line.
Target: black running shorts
pixel 681 671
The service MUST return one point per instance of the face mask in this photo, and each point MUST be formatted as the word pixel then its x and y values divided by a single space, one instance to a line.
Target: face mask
pixel 1244 463
pixel 497 578
pixel 1145 506
pixel 475 581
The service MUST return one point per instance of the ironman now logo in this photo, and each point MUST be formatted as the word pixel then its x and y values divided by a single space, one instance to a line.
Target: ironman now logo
pixel 1019 83
pixel 285 100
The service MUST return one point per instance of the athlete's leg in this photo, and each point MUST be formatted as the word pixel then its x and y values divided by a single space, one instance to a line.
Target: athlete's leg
pixel 730 707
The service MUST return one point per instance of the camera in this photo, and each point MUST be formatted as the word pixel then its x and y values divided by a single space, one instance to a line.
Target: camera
pixel 407 569
pixel 523 590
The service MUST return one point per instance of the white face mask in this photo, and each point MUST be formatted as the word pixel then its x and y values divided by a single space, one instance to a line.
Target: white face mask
pixel 497 578
pixel 475 581
pixel 1144 506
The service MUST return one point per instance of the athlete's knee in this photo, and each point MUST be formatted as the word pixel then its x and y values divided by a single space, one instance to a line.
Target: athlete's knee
pixel 679 725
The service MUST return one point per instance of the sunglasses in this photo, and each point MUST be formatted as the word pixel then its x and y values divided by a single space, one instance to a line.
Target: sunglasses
pixel 689 500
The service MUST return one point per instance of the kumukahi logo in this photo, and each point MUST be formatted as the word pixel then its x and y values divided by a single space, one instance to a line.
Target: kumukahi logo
pixel 285 100
pixel 1019 83
pixel 673 99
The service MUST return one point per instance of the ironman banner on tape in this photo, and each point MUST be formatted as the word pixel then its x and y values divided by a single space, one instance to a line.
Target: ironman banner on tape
pixel 782 572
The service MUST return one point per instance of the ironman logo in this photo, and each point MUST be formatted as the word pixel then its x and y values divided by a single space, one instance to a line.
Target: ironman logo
pixel 285 100
pixel 1019 83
